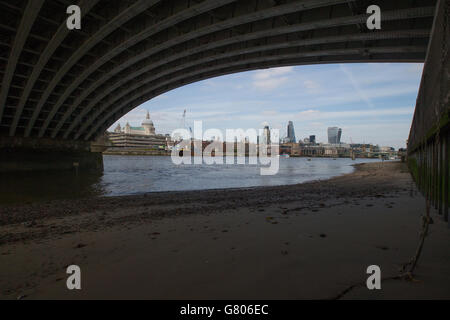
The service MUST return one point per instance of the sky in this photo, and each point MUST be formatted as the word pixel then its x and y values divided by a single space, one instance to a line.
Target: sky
pixel 372 103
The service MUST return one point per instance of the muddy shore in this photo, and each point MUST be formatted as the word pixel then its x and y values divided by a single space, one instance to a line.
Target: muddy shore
pixel 310 240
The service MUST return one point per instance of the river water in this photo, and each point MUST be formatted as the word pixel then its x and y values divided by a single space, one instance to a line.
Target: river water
pixel 127 175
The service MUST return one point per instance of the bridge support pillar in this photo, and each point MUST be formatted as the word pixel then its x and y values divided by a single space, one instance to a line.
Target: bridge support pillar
pixel 28 154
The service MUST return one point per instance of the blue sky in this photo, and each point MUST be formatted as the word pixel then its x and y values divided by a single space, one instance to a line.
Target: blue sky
pixel 372 103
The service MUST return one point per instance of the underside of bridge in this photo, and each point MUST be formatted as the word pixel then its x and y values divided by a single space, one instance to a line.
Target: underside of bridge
pixel 61 88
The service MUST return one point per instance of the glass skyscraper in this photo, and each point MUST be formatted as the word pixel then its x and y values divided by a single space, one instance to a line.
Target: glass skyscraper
pixel 334 135
pixel 291 132
pixel 266 135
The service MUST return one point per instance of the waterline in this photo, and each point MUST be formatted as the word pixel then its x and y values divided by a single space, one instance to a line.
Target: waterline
pixel 130 175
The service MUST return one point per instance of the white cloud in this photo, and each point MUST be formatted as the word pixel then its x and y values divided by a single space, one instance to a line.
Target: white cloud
pixel 270 79
pixel 272 73
pixel 270 84
pixel 311 85
pixel 316 114
pixel 348 96
pixel 270 113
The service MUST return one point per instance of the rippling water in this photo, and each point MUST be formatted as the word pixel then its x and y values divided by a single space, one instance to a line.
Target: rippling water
pixel 126 175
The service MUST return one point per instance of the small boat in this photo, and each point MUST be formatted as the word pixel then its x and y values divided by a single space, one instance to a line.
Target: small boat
pixel 284 156
pixel 309 159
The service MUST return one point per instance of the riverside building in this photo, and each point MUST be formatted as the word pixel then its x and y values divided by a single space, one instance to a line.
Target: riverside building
pixel 143 137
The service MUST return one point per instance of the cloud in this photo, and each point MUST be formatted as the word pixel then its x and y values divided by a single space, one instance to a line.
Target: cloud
pixel 309 113
pixel 270 84
pixel 270 79
pixel 270 113
pixel 316 114
pixel 345 96
pixel 272 73
pixel 311 85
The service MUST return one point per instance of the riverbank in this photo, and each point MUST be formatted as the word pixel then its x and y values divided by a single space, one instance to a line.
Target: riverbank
pixel 310 240
pixel 135 152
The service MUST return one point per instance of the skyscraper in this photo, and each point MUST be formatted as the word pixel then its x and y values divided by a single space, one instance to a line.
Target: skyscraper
pixel 312 139
pixel 334 135
pixel 291 132
pixel 266 134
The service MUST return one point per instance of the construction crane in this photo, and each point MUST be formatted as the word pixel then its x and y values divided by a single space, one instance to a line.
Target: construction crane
pixel 182 126
pixel 183 121
pixel 179 138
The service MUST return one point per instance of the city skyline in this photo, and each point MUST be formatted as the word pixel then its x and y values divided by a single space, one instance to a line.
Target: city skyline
pixel 372 103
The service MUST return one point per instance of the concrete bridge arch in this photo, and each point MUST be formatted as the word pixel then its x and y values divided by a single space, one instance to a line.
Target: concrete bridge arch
pixel 72 84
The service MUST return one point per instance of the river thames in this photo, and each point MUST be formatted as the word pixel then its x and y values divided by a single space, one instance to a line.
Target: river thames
pixel 128 175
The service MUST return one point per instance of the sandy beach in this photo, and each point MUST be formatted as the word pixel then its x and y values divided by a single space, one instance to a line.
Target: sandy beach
pixel 306 241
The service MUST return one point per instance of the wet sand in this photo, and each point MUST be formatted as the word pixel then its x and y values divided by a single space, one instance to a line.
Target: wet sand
pixel 307 241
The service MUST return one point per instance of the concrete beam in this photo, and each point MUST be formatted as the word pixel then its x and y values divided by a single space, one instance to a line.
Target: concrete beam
pixel 33 154
pixel 29 16
pixel 44 57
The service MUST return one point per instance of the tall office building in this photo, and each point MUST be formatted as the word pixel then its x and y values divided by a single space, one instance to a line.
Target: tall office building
pixel 334 135
pixel 266 135
pixel 291 132
pixel 312 139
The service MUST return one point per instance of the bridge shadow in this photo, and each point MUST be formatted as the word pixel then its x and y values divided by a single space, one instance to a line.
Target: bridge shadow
pixel 42 186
